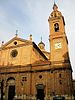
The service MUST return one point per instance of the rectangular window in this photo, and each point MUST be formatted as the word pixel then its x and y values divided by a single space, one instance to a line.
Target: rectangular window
pixel 24 78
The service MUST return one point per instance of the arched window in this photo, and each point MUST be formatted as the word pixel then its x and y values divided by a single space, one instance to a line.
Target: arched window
pixel 56 27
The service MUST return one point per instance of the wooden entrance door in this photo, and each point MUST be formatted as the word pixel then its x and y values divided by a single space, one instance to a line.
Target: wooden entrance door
pixel 40 94
pixel 11 92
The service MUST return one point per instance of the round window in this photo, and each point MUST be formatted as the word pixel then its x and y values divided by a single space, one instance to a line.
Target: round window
pixel 40 76
pixel 14 53
pixel 15 43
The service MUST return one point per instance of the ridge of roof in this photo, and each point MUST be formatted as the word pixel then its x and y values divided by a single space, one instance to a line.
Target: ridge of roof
pixel 35 46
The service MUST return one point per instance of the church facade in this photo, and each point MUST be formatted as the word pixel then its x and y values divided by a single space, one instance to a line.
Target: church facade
pixel 28 72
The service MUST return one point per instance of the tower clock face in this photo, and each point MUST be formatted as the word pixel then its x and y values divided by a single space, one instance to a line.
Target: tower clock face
pixel 58 45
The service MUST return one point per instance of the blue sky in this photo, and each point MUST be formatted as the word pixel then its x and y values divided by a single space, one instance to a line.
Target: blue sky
pixel 31 17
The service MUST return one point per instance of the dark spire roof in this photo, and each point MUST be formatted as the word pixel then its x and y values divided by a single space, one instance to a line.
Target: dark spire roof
pixel 55 7
pixel 41 42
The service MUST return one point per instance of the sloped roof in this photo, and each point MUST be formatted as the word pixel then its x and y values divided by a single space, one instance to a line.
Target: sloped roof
pixel 35 46
pixel 41 62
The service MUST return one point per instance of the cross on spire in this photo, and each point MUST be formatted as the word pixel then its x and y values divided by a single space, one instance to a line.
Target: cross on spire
pixel 41 38
pixel 16 33
pixel 54 1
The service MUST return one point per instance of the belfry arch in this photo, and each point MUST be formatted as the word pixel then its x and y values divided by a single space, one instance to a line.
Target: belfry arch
pixel 56 27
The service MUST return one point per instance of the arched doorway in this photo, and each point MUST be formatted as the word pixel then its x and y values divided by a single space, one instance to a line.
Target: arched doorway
pixel 40 91
pixel 11 88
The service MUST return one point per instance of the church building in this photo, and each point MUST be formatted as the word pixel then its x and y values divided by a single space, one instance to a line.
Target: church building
pixel 29 72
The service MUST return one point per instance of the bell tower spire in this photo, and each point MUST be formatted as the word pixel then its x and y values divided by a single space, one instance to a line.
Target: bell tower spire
pixel 58 39
pixel 59 56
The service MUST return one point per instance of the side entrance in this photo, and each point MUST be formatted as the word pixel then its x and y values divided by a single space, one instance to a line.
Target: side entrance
pixel 40 92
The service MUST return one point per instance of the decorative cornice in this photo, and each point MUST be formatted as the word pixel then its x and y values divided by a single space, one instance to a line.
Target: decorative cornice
pixel 34 68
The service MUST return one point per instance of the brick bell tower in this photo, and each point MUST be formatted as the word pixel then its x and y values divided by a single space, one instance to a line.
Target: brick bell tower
pixel 59 57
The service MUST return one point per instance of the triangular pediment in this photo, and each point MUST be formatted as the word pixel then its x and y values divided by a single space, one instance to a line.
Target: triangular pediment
pixel 16 42
pixel 19 51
